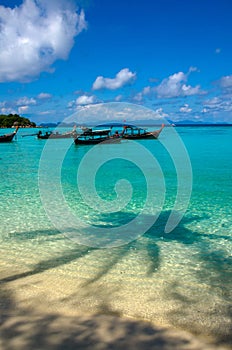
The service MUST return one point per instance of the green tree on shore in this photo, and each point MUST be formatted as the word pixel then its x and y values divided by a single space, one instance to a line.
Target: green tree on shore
pixel 7 121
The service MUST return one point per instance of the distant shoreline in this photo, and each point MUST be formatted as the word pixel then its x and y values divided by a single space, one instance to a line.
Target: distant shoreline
pixel 134 123
pixel 199 125
pixel 49 125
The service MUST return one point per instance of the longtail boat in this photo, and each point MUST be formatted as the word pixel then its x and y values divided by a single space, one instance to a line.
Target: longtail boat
pixel 131 132
pixel 9 137
pixel 93 137
pixel 50 135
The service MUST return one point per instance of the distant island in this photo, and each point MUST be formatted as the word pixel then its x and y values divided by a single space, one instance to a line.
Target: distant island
pixel 198 123
pixel 10 120
pixel 148 122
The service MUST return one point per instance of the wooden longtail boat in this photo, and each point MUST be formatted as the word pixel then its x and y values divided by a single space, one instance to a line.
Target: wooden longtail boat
pixel 8 137
pixel 50 135
pixel 93 137
pixel 135 133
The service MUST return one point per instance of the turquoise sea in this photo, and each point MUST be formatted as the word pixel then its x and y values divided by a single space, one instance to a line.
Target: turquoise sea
pixel 181 278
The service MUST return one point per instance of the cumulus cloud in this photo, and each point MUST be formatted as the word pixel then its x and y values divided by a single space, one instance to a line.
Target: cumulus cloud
pixel 23 109
pixel 175 86
pixel 7 108
pixel 226 81
pixel 214 101
pixel 218 108
pixel 36 34
pixel 138 97
pixel 185 108
pixel 85 100
pixel 115 112
pixel 25 101
pixel 192 69
pixel 118 98
pixel 217 104
pixel 122 78
pixel 21 105
pixel 44 96
pixel 145 92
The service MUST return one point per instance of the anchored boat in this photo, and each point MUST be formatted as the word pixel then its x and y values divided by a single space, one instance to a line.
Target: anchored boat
pixel 131 132
pixel 93 137
pixel 51 135
pixel 9 137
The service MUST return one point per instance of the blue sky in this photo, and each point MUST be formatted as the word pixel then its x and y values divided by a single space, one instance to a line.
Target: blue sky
pixel 62 56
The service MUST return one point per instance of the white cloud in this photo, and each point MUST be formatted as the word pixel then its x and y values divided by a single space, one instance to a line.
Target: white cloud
pixel 50 112
pixel 185 109
pixel 22 109
pixel 145 92
pixel 118 98
pixel 212 102
pixel 5 108
pixel 175 86
pixel 192 69
pixel 226 81
pixel 44 96
pixel 124 77
pixel 138 97
pixel 25 101
pixel 85 100
pixel 34 35
pixel 188 90
pixel 115 112
pixel 20 105
pixel 216 104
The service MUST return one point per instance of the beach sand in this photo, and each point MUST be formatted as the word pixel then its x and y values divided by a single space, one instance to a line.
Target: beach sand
pixel 70 303
pixel 99 332
pixel 40 321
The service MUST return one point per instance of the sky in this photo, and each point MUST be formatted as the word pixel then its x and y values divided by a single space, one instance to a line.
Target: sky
pixel 62 57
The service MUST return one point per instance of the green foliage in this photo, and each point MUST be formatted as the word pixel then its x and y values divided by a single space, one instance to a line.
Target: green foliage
pixel 7 121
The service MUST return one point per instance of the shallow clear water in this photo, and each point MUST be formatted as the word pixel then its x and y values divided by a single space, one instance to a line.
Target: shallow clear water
pixel 182 278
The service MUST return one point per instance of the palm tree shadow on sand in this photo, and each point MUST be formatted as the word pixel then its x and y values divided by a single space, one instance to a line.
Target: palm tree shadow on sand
pixel 85 331
pixel 26 329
